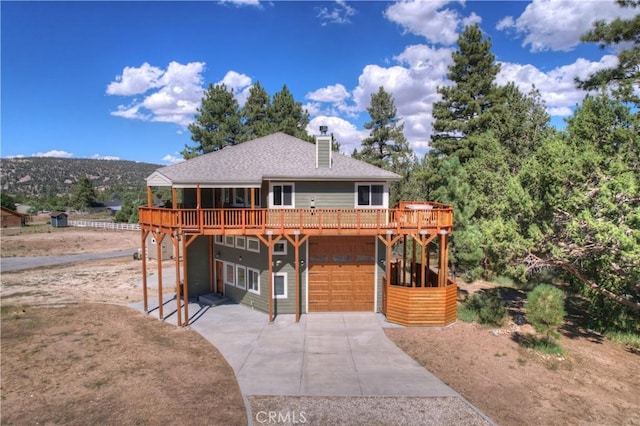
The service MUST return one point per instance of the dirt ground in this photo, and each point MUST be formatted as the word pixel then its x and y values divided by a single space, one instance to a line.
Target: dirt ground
pixel 595 382
pixel 72 355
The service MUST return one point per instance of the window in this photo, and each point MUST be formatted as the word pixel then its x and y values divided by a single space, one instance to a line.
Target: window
pixel 279 285
pixel 229 241
pixel 241 276
pixel 218 239
pixel 253 244
pixel 282 195
pixel 280 248
pixel 253 280
pixel 229 277
pixel 240 243
pixel 370 195
pixel 240 196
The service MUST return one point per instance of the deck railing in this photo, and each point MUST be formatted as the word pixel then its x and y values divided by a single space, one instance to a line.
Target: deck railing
pixel 288 221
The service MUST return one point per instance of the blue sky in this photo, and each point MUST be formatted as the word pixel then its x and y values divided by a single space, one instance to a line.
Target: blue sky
pixel 123 79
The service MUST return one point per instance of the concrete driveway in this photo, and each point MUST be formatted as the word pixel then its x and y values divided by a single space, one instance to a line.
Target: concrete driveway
pixel 324 362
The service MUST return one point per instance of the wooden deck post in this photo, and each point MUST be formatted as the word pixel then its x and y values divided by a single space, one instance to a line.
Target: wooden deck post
pixel 443 259
pixel 176 248
pixel 144 270
pixel 211 264
pixel 149 197
pixel 296 242
pixel 270 256
pixel 185 281
pixel 159 238
pixel 422 260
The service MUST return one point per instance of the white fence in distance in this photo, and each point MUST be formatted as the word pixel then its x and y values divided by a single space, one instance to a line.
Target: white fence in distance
pixel 105 225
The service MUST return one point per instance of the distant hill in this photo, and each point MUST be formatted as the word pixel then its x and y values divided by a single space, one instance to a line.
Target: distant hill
pixel 48 176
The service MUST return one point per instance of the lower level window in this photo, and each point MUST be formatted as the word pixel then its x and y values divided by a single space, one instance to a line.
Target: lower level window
pixel 253 280
pixel 279 285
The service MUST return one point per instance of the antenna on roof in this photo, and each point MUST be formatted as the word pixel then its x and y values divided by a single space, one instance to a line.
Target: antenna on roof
pixel 323 130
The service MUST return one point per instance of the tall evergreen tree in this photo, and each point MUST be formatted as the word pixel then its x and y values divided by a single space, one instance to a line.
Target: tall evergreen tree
pixel 386 146
pixel 255 113
pixel 626 75
pixel 217 124
pixel 464 105
pixel 286 115
pixel 83 195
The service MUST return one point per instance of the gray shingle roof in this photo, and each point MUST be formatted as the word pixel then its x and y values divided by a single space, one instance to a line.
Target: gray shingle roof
pixel 274 157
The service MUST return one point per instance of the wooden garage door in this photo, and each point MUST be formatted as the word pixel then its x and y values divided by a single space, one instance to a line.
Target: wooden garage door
pixel 341 274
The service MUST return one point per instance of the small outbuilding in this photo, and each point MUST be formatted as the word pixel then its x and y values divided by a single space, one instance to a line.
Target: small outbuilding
pixel 59 219
pixel 13 219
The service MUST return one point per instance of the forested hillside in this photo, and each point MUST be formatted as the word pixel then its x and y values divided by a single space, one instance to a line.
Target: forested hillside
pixel 44 177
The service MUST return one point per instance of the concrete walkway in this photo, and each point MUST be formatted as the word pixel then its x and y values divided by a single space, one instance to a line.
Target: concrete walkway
pixel 342 355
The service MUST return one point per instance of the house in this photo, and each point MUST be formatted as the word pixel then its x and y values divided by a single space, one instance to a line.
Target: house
pixel 13 219
pixel 59 219
pixel 290 227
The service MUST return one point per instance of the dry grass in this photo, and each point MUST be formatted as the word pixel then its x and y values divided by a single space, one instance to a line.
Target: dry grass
pixel 105 364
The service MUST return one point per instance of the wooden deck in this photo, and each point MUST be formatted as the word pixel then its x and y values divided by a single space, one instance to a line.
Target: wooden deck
pixel 407 220
pixel 421 306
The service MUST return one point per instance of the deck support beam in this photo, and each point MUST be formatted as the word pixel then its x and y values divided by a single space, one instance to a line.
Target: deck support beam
pixel 159 237
pixel 443 261
pixel 296 242
pixel 176 248
pixel 144 270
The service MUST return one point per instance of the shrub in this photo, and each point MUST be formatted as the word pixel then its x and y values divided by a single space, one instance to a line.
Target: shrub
pixel 465 314
pixel 545 310
pixel 488 306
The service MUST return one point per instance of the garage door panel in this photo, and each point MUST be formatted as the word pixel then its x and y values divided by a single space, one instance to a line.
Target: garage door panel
pixel 341 274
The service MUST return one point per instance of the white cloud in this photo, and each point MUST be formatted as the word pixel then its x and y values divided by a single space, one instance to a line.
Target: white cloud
pixel 345 132
pixel 429 19
pixel 172 159
pixel 135 81
pixel 53 153
pixel 240 3
pixel 103 157
pixel 339 14
pixel 413 85
pixel 175 94
pixel 335 93
pixel 558 24
pixel 557 87
pixel 238 84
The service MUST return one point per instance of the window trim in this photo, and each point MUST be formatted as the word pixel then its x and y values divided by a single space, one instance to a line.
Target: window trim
pixel 238 283
pixel 229 241
pixel 253 239
pixel 282 252
pixel 243 245
pixel 273 286
pixel 271 195
pixel 257 273
pixel 385 195
pixel 226 273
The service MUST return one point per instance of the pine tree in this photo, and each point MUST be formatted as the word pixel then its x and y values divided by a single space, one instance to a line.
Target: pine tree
pixel 626 76
pixel 286 115
pixel 464 106
pixel 386 147
pixel 255 113
pixel 83 195
pixel 217 124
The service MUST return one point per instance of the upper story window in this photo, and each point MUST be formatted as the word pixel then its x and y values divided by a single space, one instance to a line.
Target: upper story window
pixel 371 195
pixel 241 197
pixel 281 195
